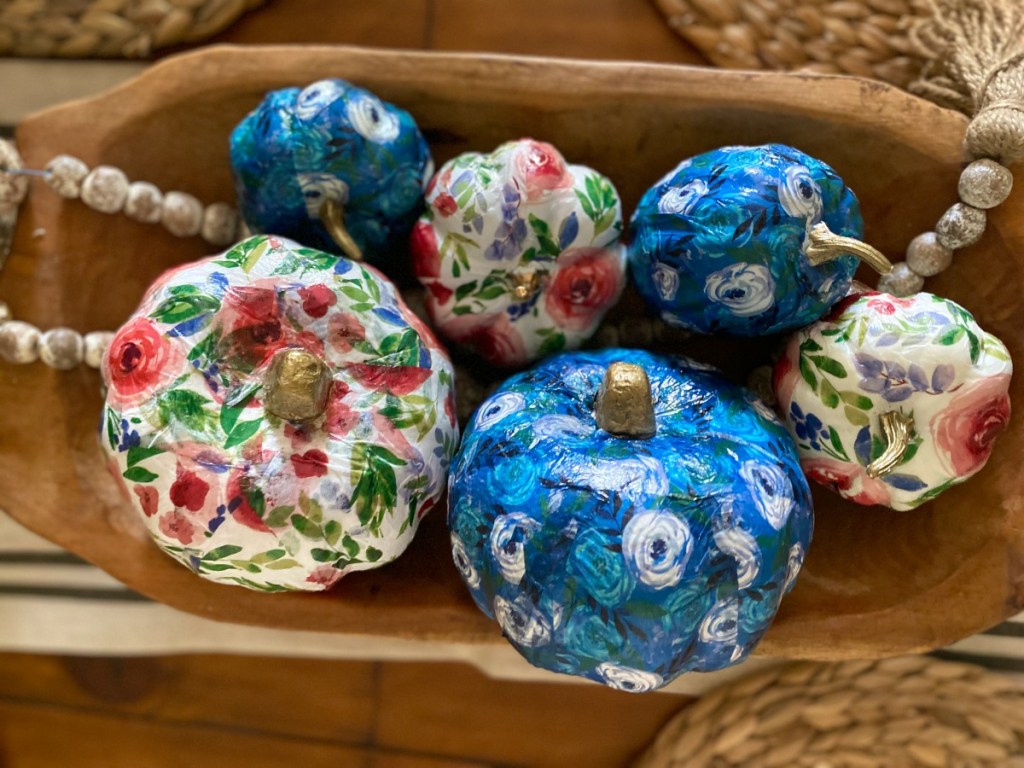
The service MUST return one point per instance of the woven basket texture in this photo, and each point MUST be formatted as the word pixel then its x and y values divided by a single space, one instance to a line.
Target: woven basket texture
pixel 868 38
pixel 914 711
pixel 110 28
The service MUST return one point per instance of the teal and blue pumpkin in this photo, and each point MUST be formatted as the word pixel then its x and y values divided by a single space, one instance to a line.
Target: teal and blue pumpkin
pixel 717 244
pixel 333 140
pixel 628 561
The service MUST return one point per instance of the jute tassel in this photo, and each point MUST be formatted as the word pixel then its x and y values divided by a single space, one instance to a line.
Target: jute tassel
pixel 975 53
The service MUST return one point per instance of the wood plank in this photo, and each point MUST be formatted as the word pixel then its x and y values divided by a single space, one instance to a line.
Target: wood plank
pixel 452 709
pixel 592 29
pixel 383 23
pixel 44 736
pixel 292 698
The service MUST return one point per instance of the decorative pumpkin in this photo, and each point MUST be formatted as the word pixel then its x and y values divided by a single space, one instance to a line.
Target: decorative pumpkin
pixel 278 416
pixel 747 241
pixel 518 251
pixel 331 143
pixel 892 401
pixel 627 517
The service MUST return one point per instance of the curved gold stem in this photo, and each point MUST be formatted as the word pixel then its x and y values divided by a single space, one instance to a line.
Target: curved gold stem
pixel 332 214
pixel 525 284
pixel 822 244
pixel 296 385
pixel 897 430
pixel 624 406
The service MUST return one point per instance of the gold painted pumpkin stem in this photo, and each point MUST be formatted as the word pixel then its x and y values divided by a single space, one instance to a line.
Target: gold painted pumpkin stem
pixel 624 405
pixel 332 214
pixel 823 245
pixel 896 430
pixel 296 385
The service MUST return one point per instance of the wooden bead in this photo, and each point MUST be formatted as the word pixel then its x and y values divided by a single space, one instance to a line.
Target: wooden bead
pixel 105 189
pixel 960 226
pixel 182 214
pixel 144 203
pixel 61 348
pixel 927 256
pixel 13 188
pixel 902 281
pixel 66 175
pixel 985 184
pixel 19 342
pixel 220 224
pixel 96 344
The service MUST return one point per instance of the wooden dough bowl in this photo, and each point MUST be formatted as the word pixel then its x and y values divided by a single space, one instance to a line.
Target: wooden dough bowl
pixel 875 583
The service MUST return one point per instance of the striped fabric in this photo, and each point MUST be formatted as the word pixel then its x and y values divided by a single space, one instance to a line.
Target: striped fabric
pixel 52 601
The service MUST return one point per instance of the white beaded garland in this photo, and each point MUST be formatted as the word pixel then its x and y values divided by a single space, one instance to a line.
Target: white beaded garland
pixel 61 348
pixel 19 342
pixel 182 214
pixel 145 202
pixel 902 281
pixel 220 224
pixel 13 187
pixel 960 226
pixel 927 256
pixel 96 344
pixel 65 175
pixel 985 183
pixel 105 189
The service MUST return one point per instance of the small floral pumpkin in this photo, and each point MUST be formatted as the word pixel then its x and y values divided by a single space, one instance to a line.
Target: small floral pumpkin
pixel 331 141
pixel 206 423
pixel 628 517
pixel 893 400
pixel 518 251
pixel 720 244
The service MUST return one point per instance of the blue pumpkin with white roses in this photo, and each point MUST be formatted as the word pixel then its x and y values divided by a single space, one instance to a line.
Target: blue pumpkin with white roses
pixel 331 141
pixel 628 557
pixel 719 245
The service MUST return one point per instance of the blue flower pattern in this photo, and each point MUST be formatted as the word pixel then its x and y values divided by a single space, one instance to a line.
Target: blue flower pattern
pixel 331 140
pixel 717 243
pixel 628 562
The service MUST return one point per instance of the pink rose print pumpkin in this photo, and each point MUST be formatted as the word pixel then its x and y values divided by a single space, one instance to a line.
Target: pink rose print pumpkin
pixel 278 417
pixel 891 400
pixel 519 251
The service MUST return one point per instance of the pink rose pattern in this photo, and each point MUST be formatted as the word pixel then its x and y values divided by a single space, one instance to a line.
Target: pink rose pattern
pixel 520 211
pixel 231 491
pixel 924 356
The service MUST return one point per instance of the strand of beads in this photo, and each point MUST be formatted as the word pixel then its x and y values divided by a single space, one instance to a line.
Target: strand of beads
pixel 107 189
pixel 984 184
pixel 59 348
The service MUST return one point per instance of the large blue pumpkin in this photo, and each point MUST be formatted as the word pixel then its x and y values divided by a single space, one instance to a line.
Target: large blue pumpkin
pixel 331 140
pixel 717 244
pixel 628 560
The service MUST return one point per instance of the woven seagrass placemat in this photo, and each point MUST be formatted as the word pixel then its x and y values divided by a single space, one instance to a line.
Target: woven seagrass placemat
pixel 854 37
pixel 110 28
pixel 913 711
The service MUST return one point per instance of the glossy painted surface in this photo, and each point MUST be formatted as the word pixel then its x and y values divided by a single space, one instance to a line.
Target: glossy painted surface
pixel 239 495
pixel 626 561
pixel 522 215
pixel 716 244
pixel 923 356
pixel 331 140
